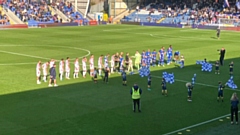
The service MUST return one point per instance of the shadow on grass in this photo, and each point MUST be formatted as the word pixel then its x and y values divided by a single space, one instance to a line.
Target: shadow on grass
pixel 89 108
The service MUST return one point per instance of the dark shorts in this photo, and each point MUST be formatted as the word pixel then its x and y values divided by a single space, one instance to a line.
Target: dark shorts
pixel 149 82
pixel 231 69
pixel 53 77
pixel 95 76
pixel 164 88
pixel 189 93
pixel 217 68
pixel 220 94
pixel 124 79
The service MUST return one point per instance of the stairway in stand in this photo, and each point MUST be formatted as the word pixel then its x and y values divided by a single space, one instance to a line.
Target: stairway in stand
pixel 82 6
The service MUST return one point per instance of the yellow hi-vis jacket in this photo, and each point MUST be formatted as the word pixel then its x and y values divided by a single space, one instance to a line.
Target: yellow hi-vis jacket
pixel 136 94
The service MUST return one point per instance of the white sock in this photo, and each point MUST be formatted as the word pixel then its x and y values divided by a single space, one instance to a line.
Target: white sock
pixel 112 70
pixel 77 75
pixel 61 75
pixel 100 71
pixel 74 75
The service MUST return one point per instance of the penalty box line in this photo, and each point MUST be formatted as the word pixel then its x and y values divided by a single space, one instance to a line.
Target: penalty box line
pixel 199 124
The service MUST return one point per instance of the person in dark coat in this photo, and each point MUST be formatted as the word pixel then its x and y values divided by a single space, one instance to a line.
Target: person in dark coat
pixel 234 107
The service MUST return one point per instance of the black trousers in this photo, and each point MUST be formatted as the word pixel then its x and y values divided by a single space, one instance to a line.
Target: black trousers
pixel 105 79
pixel 221 60
pixel 136 102
pixel 234 111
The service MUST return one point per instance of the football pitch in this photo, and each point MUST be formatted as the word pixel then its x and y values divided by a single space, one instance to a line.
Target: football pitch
pixel 78 106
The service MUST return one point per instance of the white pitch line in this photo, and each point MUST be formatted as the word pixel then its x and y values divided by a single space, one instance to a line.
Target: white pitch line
pixel 202 84
pixel 199 124
pixel 9 64
pixel 20 54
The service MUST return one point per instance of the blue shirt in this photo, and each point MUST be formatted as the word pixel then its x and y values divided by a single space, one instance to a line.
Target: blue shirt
pixel 154 54
pixel 169 51
pixel 147 53
pixel 164 84
pixel 52 71
pixel 124 74
pixel 220 87
pixel 149 78
pixel 190 88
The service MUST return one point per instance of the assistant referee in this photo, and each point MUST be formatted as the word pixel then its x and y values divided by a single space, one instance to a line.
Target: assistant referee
pixel 136 95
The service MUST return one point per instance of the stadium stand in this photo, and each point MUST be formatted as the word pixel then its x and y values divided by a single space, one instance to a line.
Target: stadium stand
pixel 68 9
pixel 31 13
pixel 3 18
pixel 184 12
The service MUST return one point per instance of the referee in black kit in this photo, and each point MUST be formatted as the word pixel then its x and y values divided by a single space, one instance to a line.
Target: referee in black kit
pixel 222 55
pixel 136 95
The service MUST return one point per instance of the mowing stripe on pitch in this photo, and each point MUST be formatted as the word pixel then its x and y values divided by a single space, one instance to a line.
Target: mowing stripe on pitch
pixel 196 125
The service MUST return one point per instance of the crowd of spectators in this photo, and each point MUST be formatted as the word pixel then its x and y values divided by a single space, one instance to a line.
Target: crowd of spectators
pixel 195 11
pixel 35 10
pixel 4 19
pixel 67 9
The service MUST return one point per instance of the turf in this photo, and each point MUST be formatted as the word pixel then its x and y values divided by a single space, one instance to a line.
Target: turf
pixel 78 106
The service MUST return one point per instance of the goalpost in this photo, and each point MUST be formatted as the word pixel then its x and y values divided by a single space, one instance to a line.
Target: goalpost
pixel 225 22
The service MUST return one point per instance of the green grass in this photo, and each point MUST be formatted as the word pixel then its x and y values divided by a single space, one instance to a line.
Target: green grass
pixel 78 106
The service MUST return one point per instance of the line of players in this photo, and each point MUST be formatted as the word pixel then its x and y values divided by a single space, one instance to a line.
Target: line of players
pixel 117 63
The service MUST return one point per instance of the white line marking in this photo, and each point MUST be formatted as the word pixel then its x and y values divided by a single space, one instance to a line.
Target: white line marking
pixel 202 84
pixel 170 36
pixel 199 124
pixel 9 64
pixel 20 54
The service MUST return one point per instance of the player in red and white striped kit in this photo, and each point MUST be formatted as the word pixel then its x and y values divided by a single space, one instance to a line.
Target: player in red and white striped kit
pixel 45 71
pixel 91 63
pixel 76 68
pixel 67 68
pixel 38 72
pixel 100 65
pixel 61 69
pixel 84 66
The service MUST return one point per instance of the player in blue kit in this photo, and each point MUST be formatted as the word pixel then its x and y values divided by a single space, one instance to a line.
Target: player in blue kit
pixel 154 58
pixel 149 81
pixel 161 57
pixel 217 67
pixel 149 57
pixel 231 68
pixel 169 55
pixel 143 54
pixel 164 87
pixel 220 91
pixel 124 78
pixel 144 61
pixel 190 88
